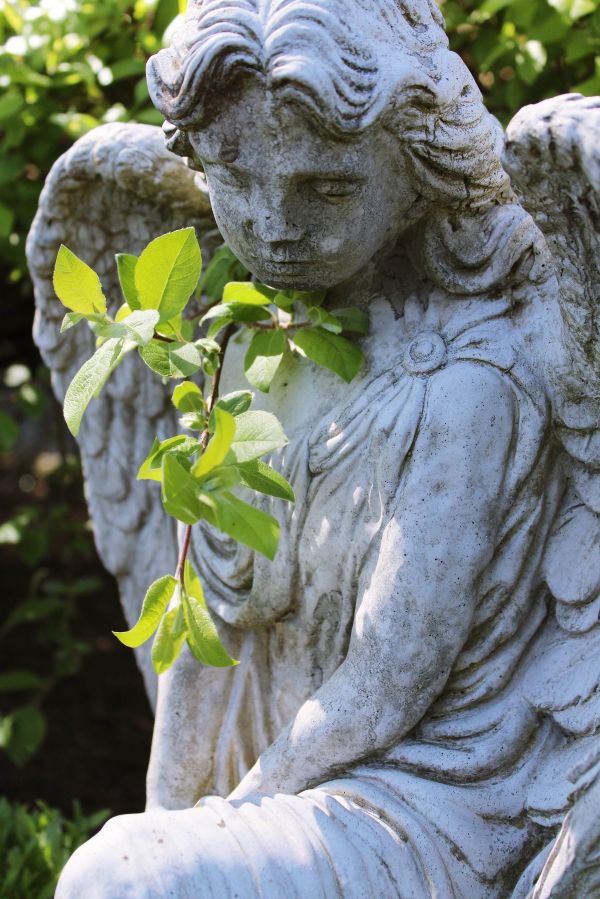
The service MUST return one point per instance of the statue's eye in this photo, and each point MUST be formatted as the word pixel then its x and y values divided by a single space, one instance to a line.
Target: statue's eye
pixel 335 188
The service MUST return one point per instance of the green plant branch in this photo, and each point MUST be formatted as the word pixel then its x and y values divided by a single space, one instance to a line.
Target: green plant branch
pixel 194 489
pixel 204 437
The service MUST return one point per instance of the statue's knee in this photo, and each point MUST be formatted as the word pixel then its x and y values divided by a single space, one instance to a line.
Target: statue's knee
pixel 102 868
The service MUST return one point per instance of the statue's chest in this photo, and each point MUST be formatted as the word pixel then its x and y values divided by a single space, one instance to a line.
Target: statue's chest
pixel 347 445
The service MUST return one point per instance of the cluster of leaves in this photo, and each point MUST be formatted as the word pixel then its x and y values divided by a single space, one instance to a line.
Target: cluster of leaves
pixel 35 844
pixel 522 52
pixel 65 67
pixel 201 471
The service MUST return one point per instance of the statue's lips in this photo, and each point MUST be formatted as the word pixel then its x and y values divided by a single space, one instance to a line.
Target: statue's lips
pixel 284 274
pixel 285 264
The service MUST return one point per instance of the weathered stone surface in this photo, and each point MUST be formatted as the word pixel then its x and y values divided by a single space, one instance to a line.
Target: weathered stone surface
pixel 417 704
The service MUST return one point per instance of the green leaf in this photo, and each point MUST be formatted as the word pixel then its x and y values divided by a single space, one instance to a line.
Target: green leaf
pixel 187 397
pixel 14 20
pixel 172 360
pixel 77 286
pixel 259 476
pixel 353 319
pixel 208 346
pixel 9 432
pixel 122 312
pixel 157 358
pixel 235 403
pixel 151 468
pixel 10 105
pixel 219 444
pixel 180 493
pixel 320 316
pixel 193 421
pixel 156 600
pixel 168 640
pixel 264 357
pixel 167 272
pixel 126 264
pixel 330 351
pixel 202 635
pixel 21 733
pixel 222 268
pixel 177 329
pixel 248 293
pixel 218 325
pixel 31 610
pixel 14 681
pixel 138 326
pixel 90 379
pixel 284 300
pixel 247 525
pixel 70 320
pixel 223 477
pixel 237 312
pixel 256 434
pixel 574 9
pixel 185 359
pixel 308 298
pixel 219 310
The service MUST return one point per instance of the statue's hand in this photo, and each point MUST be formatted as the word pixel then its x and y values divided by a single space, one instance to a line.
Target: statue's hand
pixel 253 783
pixel 274 772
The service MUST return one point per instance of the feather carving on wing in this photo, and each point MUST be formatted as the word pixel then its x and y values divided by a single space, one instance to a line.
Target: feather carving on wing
pixel 115 190
pixel 553 156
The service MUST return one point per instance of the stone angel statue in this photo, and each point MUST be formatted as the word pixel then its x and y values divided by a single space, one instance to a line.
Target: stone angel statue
pixel 416 711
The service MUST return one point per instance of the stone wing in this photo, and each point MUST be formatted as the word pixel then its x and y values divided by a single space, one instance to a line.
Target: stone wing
pixel 553 156
pixel 113 191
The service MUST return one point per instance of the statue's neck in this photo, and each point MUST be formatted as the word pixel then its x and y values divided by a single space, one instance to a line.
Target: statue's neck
pixel 389 274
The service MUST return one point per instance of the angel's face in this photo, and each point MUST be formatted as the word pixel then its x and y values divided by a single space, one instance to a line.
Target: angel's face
pixel 302 210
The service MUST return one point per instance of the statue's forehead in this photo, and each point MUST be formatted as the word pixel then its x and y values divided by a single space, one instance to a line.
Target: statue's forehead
pixel 258 124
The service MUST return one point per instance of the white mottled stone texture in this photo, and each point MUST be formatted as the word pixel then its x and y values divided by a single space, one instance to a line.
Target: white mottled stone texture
pixel 417 705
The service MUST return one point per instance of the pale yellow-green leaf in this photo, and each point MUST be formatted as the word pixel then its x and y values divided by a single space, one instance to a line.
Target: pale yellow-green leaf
pixel 219 444
pixel 77 286
pixel 90 379
pixel 155 603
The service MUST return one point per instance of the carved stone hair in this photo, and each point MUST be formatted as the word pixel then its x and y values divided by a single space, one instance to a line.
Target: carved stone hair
pixel 351 64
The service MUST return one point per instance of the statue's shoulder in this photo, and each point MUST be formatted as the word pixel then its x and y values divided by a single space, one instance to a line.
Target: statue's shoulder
pixel 479 338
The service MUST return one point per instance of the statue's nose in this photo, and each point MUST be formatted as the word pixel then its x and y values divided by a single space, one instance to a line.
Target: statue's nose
pixel 274 221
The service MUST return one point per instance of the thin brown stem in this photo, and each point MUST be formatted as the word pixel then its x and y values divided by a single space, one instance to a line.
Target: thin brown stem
pixel 214 389
pixel 210 403
pixel 183 553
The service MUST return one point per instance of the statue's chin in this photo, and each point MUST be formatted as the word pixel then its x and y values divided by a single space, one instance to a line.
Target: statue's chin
pixel 303 276
pixel 290 280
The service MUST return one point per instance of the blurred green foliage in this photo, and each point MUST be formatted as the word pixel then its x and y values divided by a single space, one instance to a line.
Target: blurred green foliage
pixel 55 547
pixel 35 843
pixel 69 65
pixel 65 67
pixel 522 51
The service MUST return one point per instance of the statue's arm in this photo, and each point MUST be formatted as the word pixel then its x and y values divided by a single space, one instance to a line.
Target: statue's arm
pixel 417 597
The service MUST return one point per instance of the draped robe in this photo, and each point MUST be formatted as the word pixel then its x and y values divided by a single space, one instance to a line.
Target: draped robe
pixel 442 811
